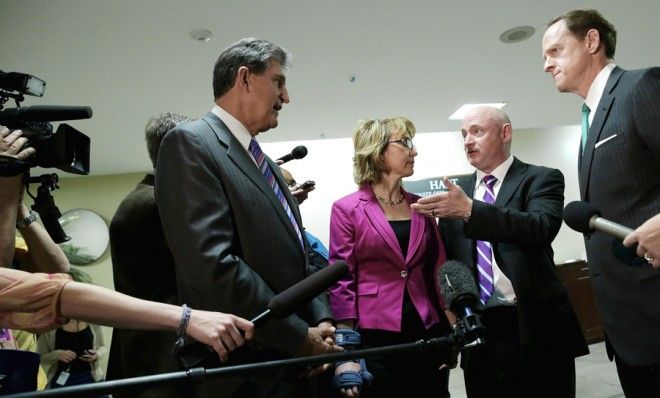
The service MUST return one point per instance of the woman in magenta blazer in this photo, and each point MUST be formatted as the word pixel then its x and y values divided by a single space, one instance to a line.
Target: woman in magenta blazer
pixel 390 295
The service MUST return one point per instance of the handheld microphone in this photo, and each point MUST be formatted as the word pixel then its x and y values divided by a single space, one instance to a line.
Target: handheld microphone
pixel 584 218
pixel 298 152
pixel 460 291
pixel 280 306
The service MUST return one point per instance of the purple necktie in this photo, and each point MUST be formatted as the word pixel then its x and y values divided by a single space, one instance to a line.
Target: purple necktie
pixel 259 156
pixel 484 249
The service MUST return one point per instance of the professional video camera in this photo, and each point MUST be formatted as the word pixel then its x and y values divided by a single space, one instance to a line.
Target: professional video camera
pixel 67 149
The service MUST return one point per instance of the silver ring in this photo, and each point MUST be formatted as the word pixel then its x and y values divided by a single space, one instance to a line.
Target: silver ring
pixel 648 258
pixel 433 212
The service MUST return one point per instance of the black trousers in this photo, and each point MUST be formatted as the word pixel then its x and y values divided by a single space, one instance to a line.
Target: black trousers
pixel 410 374
pixel 639 381
pixel 499 367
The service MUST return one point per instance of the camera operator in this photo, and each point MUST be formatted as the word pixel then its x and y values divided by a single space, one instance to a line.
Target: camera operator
pixel 42 254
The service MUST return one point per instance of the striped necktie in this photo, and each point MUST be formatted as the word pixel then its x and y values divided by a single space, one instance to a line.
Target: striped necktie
pixel 259 156
pixel 485 250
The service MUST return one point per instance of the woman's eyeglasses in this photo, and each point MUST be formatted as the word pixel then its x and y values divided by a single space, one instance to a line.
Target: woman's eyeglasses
pixel 407 142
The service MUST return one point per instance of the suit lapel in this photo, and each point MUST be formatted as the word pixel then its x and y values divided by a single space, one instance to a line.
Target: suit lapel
pixel 511 182
pixel 239 156
pixel 468 184
pixel 377 218
pixel 596 128
pixel 417 223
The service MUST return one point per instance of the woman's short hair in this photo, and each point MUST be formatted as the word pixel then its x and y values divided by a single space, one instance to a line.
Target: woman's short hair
pixel 370 138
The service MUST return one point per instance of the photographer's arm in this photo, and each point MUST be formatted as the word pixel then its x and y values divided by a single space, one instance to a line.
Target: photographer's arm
pixel 9 189
pixel 11 143
pixel 43 254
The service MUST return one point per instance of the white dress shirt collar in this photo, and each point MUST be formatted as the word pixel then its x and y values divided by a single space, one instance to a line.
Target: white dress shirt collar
pixel 596 90
pixel 499 173
pixel 235 126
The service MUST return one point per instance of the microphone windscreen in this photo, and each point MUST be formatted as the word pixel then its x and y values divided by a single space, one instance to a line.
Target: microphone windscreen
pixel 52 113
pixel 456 279
pixel 578 214
pixel 299 152
pixel 288 301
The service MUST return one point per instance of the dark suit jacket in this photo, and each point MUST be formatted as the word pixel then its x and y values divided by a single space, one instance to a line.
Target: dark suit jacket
pixel 521 225
pixel 620 176
pixel 233 244
pixel 143 267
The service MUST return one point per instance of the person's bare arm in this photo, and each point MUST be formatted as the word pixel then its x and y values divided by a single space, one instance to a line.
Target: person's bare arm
pixel 106 307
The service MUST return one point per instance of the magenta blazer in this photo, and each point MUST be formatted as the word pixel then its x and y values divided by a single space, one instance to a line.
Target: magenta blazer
pixel 372 293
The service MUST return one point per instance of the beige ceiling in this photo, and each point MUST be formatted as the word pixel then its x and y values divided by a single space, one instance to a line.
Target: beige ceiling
pixel 129 59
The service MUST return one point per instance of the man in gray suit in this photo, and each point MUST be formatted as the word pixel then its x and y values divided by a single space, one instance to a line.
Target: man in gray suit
pixel 619 174
pixel 231 223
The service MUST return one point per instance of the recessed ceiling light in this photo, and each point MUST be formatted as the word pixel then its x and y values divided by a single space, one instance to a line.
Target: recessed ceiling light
pixel 465 108
pixel 514 35
pixel 201 35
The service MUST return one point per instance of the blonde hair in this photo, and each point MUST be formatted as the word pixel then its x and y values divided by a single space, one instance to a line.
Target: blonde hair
pixel 370 138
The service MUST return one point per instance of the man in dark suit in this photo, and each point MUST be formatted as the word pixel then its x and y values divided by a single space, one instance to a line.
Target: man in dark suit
pixel 619 174
pixel 143 267
pixel 503 228
pixel 231 223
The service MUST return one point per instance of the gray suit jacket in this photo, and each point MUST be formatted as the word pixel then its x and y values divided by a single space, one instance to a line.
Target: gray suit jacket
pixel 619 175
pixel 233 244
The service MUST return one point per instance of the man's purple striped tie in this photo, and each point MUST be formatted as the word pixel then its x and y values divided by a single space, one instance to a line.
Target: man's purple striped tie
pixel 485 250
pixel 259 156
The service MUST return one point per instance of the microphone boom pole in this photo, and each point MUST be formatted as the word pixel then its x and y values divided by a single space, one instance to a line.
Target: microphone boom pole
pixel 200 374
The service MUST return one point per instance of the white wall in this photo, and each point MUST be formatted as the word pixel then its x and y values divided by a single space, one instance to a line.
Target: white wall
pixel 329 163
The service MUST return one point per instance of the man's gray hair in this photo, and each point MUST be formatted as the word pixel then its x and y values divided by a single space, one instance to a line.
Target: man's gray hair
pixel 255 54
pixel 156 129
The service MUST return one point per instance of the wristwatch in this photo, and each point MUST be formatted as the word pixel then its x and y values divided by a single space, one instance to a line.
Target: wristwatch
pixel 32 217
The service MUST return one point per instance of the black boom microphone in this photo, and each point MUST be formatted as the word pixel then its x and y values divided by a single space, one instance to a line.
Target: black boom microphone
pixel 460 291
pixel 287 302
pixel 280 306
pixel 298 152
pixel 14 118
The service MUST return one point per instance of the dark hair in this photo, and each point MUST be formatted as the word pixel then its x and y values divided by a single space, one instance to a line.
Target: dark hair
pixel 580 21
pixel 255 54
pixel 156 129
